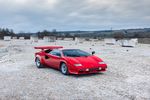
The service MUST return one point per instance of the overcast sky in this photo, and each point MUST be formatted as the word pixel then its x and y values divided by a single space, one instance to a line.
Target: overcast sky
pixel 36 15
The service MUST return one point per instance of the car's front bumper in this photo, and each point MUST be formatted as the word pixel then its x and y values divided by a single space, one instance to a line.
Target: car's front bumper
pixel 88 70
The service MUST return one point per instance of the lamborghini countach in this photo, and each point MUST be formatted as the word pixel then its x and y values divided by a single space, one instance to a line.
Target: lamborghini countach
pixel 69 61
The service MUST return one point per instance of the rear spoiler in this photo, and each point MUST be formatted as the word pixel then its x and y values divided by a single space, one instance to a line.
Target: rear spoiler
pixel 48 47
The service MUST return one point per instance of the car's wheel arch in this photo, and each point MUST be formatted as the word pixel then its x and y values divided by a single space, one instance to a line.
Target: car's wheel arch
pixel 61 62
pixel 40 58
pixel 64 62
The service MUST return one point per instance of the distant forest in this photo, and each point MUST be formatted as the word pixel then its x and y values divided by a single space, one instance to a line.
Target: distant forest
pixel 124 33
pixel 6 32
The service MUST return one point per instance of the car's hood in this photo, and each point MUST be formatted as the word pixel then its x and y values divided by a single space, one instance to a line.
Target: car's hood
pixel 91 61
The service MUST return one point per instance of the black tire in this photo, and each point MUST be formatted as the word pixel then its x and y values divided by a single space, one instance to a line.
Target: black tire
pixel 38 63
pixel 64 69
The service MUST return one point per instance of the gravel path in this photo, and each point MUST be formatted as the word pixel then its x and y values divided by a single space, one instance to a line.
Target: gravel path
pixel 127 77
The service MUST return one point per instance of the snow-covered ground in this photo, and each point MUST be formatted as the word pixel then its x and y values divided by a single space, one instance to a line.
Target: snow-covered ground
pixel 127 76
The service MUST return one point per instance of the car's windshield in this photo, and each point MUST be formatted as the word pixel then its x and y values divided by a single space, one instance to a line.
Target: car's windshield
pixel 75 53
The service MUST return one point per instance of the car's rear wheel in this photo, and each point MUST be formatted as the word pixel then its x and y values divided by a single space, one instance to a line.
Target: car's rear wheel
pixel 38 63
pixel 64 69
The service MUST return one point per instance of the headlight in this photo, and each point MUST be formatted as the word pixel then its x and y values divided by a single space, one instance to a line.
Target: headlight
pixel 77 65
pixel 102 62
pixel 100 68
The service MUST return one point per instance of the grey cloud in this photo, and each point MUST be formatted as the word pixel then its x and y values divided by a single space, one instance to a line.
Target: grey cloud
pixel 35 15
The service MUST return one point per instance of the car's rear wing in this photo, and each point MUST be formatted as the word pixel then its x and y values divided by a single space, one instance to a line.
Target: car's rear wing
pixel 48 47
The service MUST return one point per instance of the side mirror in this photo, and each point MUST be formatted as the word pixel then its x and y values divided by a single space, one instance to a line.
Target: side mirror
pixel 93 52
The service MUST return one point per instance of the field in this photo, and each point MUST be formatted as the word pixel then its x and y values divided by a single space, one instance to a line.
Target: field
pixel 127 76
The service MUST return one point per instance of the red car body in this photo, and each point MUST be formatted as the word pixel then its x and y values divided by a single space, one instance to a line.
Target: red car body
pixel 85 64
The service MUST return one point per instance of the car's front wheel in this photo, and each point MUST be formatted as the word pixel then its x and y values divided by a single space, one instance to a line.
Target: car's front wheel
pixel 38 63
pixel 64 69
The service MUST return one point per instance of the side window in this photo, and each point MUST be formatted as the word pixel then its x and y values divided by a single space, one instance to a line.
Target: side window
pixel 55 52
pixel 47 51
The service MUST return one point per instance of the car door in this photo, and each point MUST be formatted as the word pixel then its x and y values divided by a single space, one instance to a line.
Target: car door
pixel 53 58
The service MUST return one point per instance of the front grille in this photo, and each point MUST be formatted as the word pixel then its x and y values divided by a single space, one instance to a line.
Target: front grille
pixel 93 69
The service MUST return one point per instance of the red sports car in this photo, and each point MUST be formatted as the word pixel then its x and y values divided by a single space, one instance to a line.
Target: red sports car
pixel 69 61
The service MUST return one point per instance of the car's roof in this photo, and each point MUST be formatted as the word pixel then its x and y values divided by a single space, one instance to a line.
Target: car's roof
pixel 67 49
pixel 70 49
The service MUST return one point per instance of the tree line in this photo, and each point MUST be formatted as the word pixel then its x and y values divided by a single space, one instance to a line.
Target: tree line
pixel 6 32
pixel 131 33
